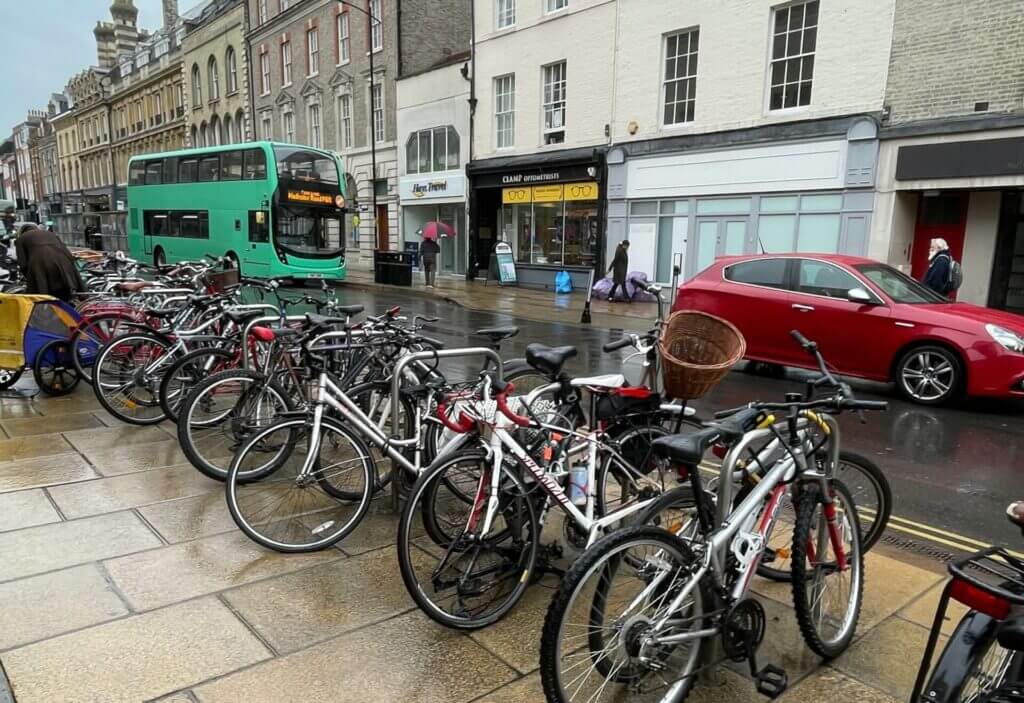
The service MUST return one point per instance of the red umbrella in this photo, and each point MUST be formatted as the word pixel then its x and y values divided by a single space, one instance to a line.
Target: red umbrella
pixel 431 230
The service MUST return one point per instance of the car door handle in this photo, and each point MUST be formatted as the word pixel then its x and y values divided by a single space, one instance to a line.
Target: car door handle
pixel 802 308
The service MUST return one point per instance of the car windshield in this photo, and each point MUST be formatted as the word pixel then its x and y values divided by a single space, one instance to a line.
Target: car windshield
pixel 310 231
pixel 898 285
pixel 305 165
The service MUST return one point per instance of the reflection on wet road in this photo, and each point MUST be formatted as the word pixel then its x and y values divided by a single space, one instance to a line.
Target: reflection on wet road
pixel 951 468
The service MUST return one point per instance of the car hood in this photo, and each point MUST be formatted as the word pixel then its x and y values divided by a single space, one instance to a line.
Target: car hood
pixel 978 314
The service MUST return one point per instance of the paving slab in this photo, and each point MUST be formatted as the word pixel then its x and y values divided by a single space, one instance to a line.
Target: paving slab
pixel 51 604
pixel 25 509
pixel 525 690
pixel 33 446
pixel 379 528
pixel 107 495
pixel 136 658
pixel 114 461
pixel 16 408
pixel 293 611
pixel 111 437
pixel 408 658
pixel 50 547
pixel 25 426
pixel 830 685
pixel 44 471
pixel 182 571
pixel 516 637
pixel 922 611
pixel 888 657
pixel 82 400
pixel 190 518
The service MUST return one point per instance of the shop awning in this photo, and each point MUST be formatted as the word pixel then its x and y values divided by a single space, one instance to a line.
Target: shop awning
pixel 537 160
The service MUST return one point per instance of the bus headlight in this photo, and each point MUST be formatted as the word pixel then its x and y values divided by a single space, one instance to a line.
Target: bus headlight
pixel 339 202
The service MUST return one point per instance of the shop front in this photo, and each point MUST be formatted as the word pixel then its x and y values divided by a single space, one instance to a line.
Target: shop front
pixel 547 208
pixel 436 197
pixel 694 199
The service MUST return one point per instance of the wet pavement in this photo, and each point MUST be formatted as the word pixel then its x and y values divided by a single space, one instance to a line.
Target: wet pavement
pixel 124 579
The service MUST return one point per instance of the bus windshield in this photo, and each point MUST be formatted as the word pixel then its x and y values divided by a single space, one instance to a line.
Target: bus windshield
pixel 307 231
pixel 298 164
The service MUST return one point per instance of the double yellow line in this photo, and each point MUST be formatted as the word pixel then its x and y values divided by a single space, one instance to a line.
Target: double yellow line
pixel 956 541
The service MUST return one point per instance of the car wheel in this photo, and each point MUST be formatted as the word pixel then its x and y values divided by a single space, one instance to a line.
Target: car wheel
pixel 929 375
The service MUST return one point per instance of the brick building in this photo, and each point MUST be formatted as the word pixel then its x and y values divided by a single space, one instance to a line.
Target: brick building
pixel 951 163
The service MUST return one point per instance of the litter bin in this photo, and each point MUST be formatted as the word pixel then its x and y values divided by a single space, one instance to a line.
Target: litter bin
pixel 412 249
pixel 401 269
pixel 392 268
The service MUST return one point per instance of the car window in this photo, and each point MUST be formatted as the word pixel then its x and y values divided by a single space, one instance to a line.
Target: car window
pixel 761 272
pixel 820 278
pixel 899 286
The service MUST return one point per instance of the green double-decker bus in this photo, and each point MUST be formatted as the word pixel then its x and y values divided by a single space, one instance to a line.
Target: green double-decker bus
pixel 271 209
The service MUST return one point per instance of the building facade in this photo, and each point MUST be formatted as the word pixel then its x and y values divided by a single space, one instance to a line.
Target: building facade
pixel 25 189
pixel 951 163
pixel 216 74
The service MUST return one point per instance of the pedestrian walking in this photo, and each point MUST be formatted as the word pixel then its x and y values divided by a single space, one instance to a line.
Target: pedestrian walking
pixel 429 250
pixel 619 267
pixel 48 266
pixel 940 263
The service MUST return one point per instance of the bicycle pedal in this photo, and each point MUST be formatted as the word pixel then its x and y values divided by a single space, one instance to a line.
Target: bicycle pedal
pixel 772 682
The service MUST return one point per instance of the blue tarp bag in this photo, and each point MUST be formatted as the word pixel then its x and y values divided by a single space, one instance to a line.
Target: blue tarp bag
pixel 563 282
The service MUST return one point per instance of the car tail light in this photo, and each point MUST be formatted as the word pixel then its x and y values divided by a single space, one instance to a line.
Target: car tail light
pixel 980 600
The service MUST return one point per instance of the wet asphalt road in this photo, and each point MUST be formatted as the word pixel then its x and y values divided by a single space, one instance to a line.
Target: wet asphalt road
pixel 951 469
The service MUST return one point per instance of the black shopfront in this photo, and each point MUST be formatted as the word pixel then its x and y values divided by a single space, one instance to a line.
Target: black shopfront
pixel 549 208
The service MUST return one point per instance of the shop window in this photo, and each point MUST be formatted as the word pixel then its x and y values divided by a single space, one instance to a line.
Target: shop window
pixel 674 207
pixel 794 36
pixel 785 203
pixel 820 278
pixel 821 203
pixel 818 233
pixel 580 233
pixel 643 208
pixel 762 272
pixel 723 206
pixel 775 233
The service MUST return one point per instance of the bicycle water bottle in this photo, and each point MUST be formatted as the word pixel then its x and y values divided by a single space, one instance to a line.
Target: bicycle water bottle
pixel 578 484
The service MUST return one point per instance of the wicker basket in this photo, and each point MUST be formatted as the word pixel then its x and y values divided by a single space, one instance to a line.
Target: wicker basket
pixel 221 280
pixel 697 350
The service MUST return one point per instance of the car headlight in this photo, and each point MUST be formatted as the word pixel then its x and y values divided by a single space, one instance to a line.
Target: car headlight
pixel 1009 340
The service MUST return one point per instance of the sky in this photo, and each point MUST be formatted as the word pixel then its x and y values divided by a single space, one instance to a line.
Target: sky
pixel 47 42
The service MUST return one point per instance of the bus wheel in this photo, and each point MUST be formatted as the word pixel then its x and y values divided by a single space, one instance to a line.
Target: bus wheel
pixel 158 258
pixel 232 261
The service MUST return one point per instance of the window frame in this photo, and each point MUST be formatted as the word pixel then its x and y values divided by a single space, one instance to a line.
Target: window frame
pixel 197 89
pixel 691 95
pixel 771 60
pixel 286 113
pixel 376 8
pixel 286 63
pixel 379 87
pixel 553 6
pixel 231 65
pixel 316 131
pixel 511 112
pixel 312 52
pixel 511 10
pixel 214 76
pixel 547 106
pixel 346 136
pixel 265 72
pixel 344 30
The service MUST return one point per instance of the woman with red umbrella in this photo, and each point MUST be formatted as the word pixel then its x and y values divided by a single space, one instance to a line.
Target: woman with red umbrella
pixel 429 248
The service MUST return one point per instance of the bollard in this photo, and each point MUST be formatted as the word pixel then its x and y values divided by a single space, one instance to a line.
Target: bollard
pixel 585 317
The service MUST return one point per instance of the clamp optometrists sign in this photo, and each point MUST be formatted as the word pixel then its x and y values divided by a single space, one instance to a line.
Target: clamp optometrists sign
pixel 581 191
pixel 514 196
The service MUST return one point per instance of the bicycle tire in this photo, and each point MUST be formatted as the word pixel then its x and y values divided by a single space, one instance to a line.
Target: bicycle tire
pixel 599 557
pixel 256 532
pixel 84 350
pixel 53 369
pixel 522 571
pixel 609 472
pixel 406 413
pixel 171 408
pixel 137 394
pixel 189 441
pixel 802 581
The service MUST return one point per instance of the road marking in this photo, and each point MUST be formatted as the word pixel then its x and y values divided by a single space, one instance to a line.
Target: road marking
pixel 935 534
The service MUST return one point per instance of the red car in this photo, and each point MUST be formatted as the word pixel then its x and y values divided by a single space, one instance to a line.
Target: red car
pixel 869 319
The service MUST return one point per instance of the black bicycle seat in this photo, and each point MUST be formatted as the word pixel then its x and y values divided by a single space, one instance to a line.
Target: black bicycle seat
pixel 323 320
pixel 550 360
pixel 161 313
pixel 240 317
pixel 497 334
pixel 689 448
pixel 349 309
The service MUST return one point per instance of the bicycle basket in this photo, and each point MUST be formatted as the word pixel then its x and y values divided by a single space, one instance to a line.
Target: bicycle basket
pixel 697 350
pixel 219 281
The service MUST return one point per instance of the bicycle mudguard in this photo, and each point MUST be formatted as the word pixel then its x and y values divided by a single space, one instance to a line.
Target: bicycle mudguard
pixel 971 639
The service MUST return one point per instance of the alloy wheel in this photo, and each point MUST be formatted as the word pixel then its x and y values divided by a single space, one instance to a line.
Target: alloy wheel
pixel 928 375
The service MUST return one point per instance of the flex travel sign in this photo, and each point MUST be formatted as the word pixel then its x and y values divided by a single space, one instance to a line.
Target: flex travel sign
pixel 420 188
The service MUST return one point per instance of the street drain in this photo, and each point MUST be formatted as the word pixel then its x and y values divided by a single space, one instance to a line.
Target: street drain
pixel 905 544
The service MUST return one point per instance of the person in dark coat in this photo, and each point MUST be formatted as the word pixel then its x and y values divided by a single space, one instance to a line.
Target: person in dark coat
pixel 939 263
pixel 9 220
pixel 429 250
pixel 619 267
pixel 48 266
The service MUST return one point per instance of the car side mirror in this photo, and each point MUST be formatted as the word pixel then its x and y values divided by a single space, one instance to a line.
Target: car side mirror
pixel 860 296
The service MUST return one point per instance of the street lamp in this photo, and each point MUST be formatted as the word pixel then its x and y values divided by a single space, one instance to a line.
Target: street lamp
pixel 373 131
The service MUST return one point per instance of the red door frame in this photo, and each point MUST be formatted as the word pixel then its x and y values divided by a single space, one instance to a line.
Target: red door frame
pixel 951 228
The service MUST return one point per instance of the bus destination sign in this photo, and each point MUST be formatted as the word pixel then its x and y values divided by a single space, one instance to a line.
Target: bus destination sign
pixel 310 197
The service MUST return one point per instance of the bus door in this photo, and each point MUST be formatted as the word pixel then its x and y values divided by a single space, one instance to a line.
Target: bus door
pixel 258 252
pixel 147 230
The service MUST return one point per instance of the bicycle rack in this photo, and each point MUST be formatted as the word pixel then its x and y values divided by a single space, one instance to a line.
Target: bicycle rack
pixel 262 321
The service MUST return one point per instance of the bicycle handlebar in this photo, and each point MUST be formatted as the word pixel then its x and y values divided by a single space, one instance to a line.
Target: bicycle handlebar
pixel 626 341
pixel 502 402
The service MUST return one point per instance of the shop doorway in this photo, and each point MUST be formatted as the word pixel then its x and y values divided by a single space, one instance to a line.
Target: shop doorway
pixel 944 216
pixel 381 222
pixel 1006 291
pixel 715 237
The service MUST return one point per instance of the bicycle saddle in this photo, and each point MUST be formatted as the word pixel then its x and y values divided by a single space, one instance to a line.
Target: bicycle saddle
pixel 323 320
pixel 689 448
pixel 161 313
pixel 349 309
pixel 550 360
pixel 496 334
pixel 240 317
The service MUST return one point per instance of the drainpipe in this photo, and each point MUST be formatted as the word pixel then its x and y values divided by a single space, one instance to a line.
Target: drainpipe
pixel 249 76
pixel 471 263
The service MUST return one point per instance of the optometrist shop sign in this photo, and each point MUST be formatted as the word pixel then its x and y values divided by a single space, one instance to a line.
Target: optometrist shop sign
pixel 414 189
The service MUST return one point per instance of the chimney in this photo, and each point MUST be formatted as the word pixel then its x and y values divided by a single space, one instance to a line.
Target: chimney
pixel 106 51
pixel 170 14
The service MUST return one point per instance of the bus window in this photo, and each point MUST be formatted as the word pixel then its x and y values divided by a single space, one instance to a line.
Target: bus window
pixel 154 171
pixel 170 170
pixel 174 223
pixel 155 223
pixel 137 173
pixel 187 171
pixel 209 168
pixel 255 165
pixel 231 166
pixel 259 226
pixel 303 165
pixel 195 224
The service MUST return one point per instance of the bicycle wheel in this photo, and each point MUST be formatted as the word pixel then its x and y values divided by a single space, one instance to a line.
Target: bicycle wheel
pixel 632 473
pixel 973 664
pixel 374 399
pixel 127 375
pixel 222 413
pixel 827 590
pixel 287 509
pixel 53 369
pixel 186 372
pixel 87 340
pixel 594 644
pixel 459 575
pixel 872 497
